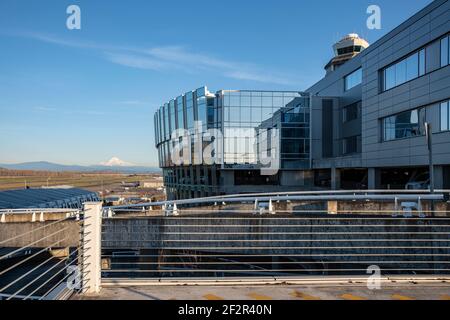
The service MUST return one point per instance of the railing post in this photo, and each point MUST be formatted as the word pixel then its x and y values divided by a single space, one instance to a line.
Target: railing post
pixel 174 210
pixel 91 248
pixel 271 211
pixel 395 208
pixel 419 208
pixel 256 206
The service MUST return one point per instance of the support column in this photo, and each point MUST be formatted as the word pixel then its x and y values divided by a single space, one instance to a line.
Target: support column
pixel 91 248
pixel 438 177
pixel 214 176
pixel 191 175
pixel 335 178
pixel 373 179
pixel 198 175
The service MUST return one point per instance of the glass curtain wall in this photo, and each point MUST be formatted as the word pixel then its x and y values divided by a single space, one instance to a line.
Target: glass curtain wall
pixel 201 108
pixel 244 112
pixel 180 112
pixel 239 115
pixel 295 135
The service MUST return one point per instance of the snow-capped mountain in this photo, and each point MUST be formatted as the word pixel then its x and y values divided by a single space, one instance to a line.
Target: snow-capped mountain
pixel 114 166
pixel 116 162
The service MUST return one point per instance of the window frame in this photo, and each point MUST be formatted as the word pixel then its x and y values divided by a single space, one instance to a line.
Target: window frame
pixel 353 73
pixel 345 152
pixel 356 105
pixel 383 124
pixel 420 53
pixel 447 38
pixel 447 102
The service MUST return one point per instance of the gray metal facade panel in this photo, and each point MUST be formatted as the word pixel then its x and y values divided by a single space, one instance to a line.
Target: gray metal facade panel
pixel 421 92
pixel 421 29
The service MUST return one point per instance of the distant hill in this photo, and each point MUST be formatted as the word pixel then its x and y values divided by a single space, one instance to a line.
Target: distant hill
pixel 48 166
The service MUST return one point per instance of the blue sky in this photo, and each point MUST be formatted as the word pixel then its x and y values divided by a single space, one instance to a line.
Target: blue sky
pixel 83 96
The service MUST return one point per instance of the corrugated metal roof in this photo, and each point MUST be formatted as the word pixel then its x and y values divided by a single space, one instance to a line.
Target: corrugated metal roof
pixel 45 198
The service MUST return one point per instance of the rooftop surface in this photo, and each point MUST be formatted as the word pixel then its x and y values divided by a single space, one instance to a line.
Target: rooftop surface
pixel 411 291
pixel 36 198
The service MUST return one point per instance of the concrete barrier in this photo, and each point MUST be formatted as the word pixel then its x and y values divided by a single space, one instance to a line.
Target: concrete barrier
pixel 34 231
pixel 313 234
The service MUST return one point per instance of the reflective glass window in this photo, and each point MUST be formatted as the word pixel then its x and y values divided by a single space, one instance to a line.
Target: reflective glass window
pixel 400 72
pixel 278 102
pixel 166 121
pixel 444 51
pixel 351 112
pixel 422 62
pixel 235 101
pixel 404 70
pixel 172 117
pixel 235 114
pixel 350 145
pixel 389 78
pixel 403 125
pixel 245 101
pixel 189 110
pixel 202 110
pixel 246 114
pixel 266 113
pixel 353 79
pixel 445 116
pixel 211 116
pixel 256 115
pixel 180 113
pixel 162 123
pixel 157 127
pixel 254 111
pixel 412 67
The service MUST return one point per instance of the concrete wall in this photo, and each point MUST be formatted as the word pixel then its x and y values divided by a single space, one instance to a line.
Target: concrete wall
pixel 69 238
pixel 313 234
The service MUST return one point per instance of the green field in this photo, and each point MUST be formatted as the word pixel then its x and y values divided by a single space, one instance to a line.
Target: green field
pixel 94 182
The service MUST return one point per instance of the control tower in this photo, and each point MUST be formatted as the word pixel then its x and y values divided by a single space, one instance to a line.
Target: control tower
pixel 345 49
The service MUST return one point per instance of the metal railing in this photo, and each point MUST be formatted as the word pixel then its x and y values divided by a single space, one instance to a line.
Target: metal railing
pixel 240 245
pixel 37 257
pixel 335 195
pixel 259 243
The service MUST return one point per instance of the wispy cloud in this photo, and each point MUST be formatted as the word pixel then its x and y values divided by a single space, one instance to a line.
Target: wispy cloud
pixel 45 109
pixel 133 103
pixel 169 58
pixel 69 111
pixel 134 61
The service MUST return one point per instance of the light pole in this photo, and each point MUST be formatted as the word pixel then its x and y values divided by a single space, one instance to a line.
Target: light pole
pixel 429 136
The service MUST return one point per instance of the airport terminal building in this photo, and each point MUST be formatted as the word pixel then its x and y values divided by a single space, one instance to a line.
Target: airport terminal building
pixel 360 127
